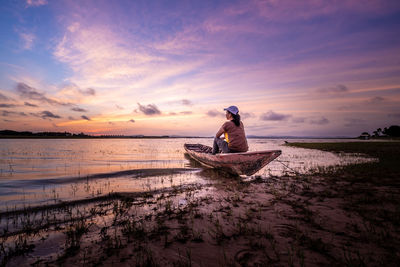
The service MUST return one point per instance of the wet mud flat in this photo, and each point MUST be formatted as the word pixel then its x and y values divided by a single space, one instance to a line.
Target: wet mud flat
pixel 344 216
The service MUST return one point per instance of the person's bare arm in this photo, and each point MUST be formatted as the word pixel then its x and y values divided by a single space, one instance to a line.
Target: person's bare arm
pixel 220 131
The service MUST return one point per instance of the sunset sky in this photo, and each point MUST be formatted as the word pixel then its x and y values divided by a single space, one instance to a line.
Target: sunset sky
pixel 294 68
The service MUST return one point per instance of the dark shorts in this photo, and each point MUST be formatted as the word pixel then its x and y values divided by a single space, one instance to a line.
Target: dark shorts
pixel 220 145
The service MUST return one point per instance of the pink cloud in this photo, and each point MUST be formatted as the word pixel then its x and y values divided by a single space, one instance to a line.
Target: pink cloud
pixel 27 40
pixel 36 3
pixel 97 53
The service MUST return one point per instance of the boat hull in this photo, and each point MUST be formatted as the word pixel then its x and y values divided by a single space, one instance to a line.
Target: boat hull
pixel 247 163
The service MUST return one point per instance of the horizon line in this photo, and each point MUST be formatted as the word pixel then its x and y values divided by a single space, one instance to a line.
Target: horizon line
pixel 169 136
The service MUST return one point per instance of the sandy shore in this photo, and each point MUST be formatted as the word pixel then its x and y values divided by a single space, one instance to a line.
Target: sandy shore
pixel 302 221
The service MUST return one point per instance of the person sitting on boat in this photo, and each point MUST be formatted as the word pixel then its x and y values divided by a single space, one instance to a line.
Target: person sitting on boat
pixel 233 130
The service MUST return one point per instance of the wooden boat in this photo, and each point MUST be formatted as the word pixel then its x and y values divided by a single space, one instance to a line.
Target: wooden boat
pixel 247 163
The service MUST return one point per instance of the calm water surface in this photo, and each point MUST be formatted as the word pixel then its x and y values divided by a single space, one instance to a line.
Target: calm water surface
pixel 46 171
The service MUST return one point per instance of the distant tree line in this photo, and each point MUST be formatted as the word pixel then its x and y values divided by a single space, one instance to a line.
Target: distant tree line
pixel 27 134
pixel 11 133
pixel 392 131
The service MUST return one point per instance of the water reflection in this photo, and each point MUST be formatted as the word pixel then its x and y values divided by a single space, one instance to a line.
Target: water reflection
pixel 47 171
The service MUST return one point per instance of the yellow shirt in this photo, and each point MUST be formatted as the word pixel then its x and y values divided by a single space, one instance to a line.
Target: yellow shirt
pixel 226 137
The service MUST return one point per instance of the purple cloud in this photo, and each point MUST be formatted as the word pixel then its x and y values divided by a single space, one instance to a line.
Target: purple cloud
pixel 6 113
pixel 298 120
pixel 87 91
pixel 131 120
pixel 186 102
pixel 7 106
pixel 273 116
pixel 320 121
pixel 150 109
pixel 47 114
pixel 25 91
pixel 214 113
pixel 77 109
pixel 85 118
pixel 30 104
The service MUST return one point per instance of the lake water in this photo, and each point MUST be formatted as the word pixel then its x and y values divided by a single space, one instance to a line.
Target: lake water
pixel 46 171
